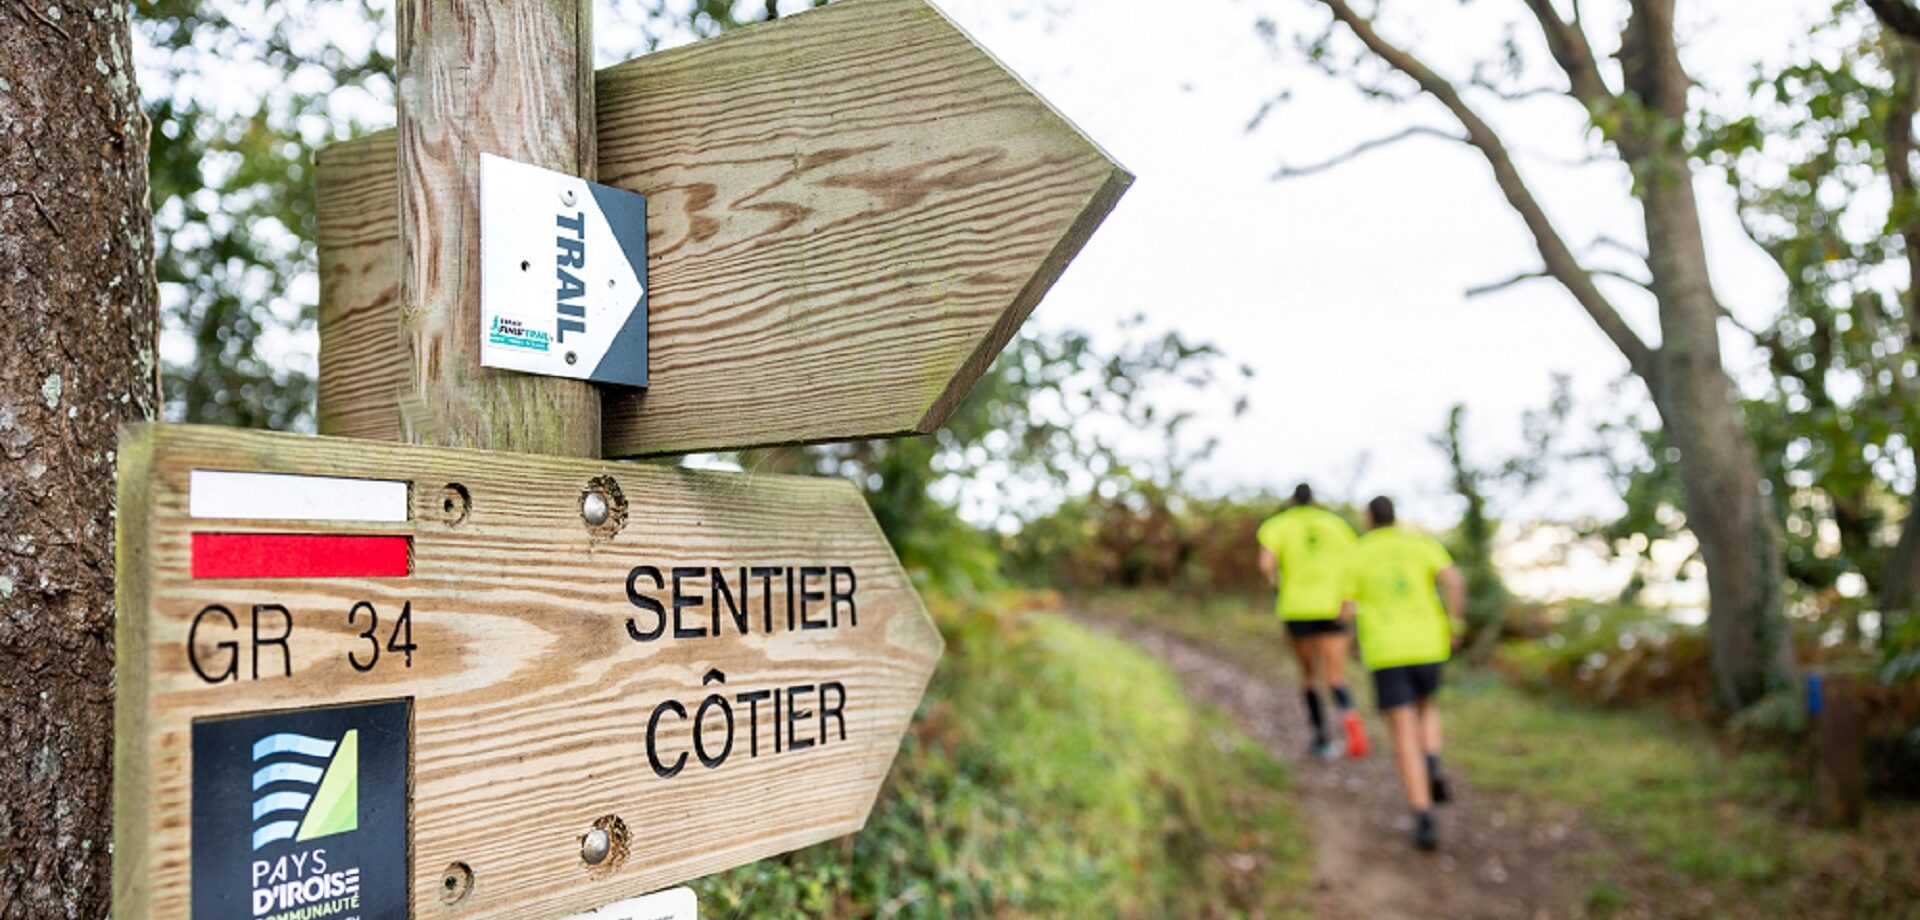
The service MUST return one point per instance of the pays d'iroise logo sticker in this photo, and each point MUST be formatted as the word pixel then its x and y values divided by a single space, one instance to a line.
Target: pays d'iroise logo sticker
pixel 301 815
pixel 292 797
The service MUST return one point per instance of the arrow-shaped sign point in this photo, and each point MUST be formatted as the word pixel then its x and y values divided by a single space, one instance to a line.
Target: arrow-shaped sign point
pixel 851 211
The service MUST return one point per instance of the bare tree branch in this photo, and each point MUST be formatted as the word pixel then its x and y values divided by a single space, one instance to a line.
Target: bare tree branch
pixel 1617 275
pixel 1267 107
pixel 1604 241
pixel 1580 162
pixel 1482 290
pixel 1555 254
pixel 1294 172
pixel 1571 50
pixel 1485 85
pixel 1901 16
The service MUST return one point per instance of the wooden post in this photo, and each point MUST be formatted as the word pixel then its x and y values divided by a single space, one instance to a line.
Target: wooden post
pixel 1839 753
pixel 507 77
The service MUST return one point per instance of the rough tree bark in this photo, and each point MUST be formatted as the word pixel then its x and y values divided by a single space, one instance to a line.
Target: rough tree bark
pixel 1900 579
pixel 76 362
pixel 1727 510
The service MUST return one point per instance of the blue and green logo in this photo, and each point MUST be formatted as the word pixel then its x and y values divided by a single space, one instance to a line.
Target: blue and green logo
pixel 305 787
pixel 515 334
pixel 302 814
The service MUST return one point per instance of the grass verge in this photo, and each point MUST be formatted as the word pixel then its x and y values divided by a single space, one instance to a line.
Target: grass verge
pixel 1695 826
pixel 1051 772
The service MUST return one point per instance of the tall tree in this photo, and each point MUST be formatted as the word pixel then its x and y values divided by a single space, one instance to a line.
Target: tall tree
pixel 1900 579
pixel 1644 117
pixel 76 362
pixel 1822 160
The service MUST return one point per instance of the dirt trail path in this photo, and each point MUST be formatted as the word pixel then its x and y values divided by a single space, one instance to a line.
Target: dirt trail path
pixel 1491 863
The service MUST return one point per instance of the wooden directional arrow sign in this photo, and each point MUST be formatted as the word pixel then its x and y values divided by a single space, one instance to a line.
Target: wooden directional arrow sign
pixel 851 210
pixel 490 685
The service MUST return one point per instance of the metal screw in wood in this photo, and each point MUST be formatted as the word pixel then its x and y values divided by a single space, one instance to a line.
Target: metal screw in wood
pixel 593 507
pixel 595 847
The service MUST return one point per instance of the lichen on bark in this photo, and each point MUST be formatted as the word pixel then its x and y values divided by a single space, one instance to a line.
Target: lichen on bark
pixel 77 294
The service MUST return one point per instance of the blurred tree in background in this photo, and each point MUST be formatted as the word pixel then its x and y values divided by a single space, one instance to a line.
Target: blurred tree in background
pixel 1472 545
pixel 232 169
pixel 1823 166
pixel 1822 162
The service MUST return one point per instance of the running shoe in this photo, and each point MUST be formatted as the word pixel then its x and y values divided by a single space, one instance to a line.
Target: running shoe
pixel 1327 750
pixel 1441 794
pixel 1356 735
pixel 1426 834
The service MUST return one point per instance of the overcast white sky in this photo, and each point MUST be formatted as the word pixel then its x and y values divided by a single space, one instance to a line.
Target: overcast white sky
pixel 1345 289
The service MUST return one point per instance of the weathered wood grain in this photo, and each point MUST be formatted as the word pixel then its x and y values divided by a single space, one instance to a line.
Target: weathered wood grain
pixel 506 77
pixel 850 212
pixel 365 350
pixel 530 699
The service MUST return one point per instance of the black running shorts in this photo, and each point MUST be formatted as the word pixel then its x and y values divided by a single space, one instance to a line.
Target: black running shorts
pixel 1300 629
pixel 1405 685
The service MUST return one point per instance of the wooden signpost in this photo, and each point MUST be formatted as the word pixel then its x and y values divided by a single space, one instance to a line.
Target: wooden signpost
pixel 853 207
pixel 722 668
pixel 362 680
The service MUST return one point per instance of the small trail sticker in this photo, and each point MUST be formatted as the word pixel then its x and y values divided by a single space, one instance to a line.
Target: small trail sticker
pixel 563 275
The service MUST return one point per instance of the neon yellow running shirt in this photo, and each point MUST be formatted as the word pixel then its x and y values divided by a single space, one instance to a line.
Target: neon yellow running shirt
pixel 1401 619
pixel 1310 544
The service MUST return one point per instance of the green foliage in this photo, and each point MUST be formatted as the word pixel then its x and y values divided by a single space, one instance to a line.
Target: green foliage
pixel 1051 772
pixel 1145 534
pixel 1686 825
pixel 1055 413
pixel 1695 828
pixel 1471 544
pixel 1901 652
pixel 1259 638
pixel 1809 159
pixel 1617 654
pixel 232 176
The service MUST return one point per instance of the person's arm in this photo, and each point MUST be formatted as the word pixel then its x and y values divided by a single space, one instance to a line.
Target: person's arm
pixel 1347 611
pixel 1269 567
pixel 1453 593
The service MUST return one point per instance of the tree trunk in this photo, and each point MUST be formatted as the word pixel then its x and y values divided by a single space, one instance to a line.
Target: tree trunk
pixel 1900 581
pixel 1719 467
pixel 76 362
pixel 1900 574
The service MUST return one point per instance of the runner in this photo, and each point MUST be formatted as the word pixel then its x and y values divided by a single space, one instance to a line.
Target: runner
pixel 1302 550
pixel 1405 638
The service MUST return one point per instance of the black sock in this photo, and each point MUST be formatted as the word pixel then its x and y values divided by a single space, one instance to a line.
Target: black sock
pixel 1433 766
pixel 1341 698
pixel 1315 714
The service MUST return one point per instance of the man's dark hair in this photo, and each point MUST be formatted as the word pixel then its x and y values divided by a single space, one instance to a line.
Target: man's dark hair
pixel 1380 511
pixel 1303 494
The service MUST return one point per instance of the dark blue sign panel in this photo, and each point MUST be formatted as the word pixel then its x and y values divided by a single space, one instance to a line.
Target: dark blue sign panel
pixel 302 815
